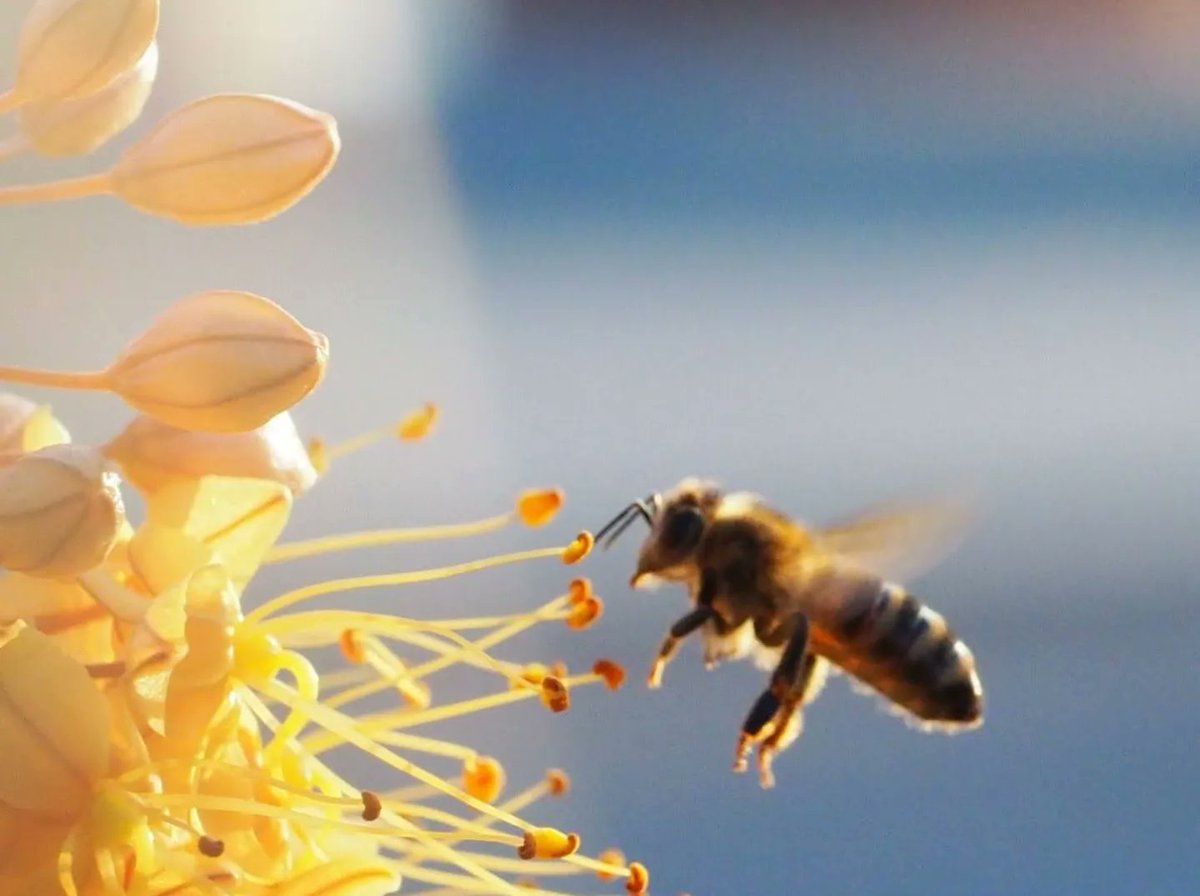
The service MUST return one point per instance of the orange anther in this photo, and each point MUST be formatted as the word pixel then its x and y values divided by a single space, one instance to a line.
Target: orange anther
pixel 610 856
pixel 579 590
pixel 483 778
pixel 538 506
pixel 547 843
pixel 372 805
pixel 351 648
pixel 611 671
pixel 579 548
pixel 558 669
pixel 210 846
pixel 639 879
pixel 555 694
pixel 418 424
pixel 557 781
pixel 584 614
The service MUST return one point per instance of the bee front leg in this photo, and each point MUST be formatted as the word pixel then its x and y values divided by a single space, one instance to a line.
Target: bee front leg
pixel 680 630
pixel 684 626
pixel 779 702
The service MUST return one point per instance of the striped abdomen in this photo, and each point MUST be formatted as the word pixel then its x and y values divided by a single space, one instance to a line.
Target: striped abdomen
pixel 890 641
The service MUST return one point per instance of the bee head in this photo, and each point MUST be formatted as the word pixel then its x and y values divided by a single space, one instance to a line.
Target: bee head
pixel 677 520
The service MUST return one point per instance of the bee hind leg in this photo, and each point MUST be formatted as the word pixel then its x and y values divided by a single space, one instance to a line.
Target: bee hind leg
pixel 778 705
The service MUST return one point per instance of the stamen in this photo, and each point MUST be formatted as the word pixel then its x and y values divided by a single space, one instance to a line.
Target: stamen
pixel 378 537
pixel 555 695
pixel 350 731
pixel 585 612
pixel 611 671
pixel 548 843
pixel 579 548
pixel 372 805
pixel 537 507
pixel 639 879
pixel 355 583
pixel 483 778
pixel 210 846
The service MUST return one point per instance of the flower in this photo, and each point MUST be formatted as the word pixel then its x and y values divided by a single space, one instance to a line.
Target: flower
pixel 160 734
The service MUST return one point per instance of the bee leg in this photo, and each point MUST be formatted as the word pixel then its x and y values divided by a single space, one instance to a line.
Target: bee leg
pixel 680 630
pixel 788 722
pixel 790 677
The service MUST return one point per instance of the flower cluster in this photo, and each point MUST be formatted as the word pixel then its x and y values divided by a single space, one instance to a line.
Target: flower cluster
pixel 158 736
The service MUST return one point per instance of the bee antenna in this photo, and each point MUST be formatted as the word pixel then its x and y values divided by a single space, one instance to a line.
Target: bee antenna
pixel 613 529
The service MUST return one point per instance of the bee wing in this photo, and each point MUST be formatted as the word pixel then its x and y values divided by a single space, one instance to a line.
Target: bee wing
pixel 900 541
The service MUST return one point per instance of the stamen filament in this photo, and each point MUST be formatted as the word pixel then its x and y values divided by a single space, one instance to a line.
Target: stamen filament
pixel 378 537
pixel 350 731
pixel 54 191
pixel 374 622
pixel 291 598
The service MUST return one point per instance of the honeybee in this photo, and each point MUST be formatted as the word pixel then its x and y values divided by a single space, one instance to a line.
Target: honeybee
pixel 798 599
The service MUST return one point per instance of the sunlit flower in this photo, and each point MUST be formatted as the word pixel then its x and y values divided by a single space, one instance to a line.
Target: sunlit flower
pixel 160 735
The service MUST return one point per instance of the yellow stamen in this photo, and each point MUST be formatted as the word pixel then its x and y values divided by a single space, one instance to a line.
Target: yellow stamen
pixel 579 548
pixel 537 507
pixel 483 778
pixel 419 423
pixel 415 426
pixel 352 732
pixel 548 843
pixel 611 671
pixel 377 537
pixel 319 589
pixel 372 805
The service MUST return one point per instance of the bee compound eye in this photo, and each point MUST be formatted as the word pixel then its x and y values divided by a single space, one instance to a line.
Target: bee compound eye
pixel 683 527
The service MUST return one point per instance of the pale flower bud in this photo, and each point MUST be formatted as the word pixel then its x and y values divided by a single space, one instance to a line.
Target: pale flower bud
pixel 152 454
pixel 60 511
pixel 25 426
pixel 79 126
pixel 74 48
pixel 228 159
pixel 219 361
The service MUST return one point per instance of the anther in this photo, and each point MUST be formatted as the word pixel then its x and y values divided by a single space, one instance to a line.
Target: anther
pixel 579 590
pixel 611 672
pixel 483 778
pixel 351 648
pixel 372 805
pixel 579 548
pixel 538 506
pixel 585 613
pixel 557 781
pixel 555 694
pixel 547 843
pixel 418 424
pixel 210 846
pixel 639 879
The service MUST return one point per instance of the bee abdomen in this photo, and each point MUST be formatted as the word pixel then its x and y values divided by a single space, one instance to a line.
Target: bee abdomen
pixel 913 657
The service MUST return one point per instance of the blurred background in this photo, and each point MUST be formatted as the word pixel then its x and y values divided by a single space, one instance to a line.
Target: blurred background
pixel 834 253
